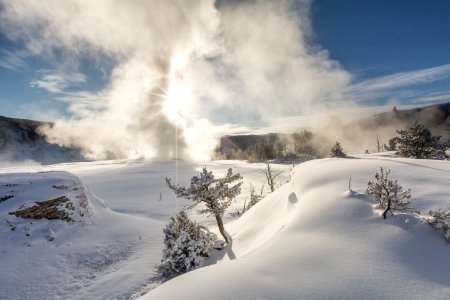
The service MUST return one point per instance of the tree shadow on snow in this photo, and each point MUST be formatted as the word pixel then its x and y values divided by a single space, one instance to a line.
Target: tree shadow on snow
pixel 219 255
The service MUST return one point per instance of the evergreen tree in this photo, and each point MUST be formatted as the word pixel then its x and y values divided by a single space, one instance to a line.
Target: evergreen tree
pixel 417 142
pixel 303 142
pixel 337 151
pixel 261 151
pixel 216 194
pixel 392 144
pixel 388 194
pixel 440 220
pixel 186 245
pixel 254 197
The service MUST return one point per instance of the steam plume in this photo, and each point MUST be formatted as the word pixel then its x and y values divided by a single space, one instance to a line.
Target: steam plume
pixel 179 68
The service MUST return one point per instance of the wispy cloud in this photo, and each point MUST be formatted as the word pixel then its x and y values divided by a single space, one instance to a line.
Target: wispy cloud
pixel 57 83
pixel 434 97
pixel 11 60
pixel 382 86
pixel 63 87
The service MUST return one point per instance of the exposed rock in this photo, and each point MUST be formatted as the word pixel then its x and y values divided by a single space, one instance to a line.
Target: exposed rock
pixel 6 197
pixel 60 208
pixel 60 186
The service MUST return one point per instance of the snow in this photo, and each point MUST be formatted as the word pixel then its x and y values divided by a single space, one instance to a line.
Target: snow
pixel 331 243
pixel 113 253
pixel 310 239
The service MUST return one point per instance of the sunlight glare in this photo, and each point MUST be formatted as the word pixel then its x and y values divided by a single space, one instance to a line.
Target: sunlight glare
pixel 177 102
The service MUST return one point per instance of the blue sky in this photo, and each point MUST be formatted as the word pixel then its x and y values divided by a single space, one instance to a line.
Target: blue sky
pixel 395 51
pixel 372 39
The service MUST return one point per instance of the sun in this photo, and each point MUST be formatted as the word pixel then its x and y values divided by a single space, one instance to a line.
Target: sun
pixel 178 99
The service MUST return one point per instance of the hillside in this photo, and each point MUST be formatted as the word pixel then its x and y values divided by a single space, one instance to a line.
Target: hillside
pixel 435 117
pixel 356 136
pixel 113 252
pixel 21 141
pixel 313 239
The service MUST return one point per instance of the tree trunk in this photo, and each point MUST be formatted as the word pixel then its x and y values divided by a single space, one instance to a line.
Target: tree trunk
pixel 221 228
pixel 388 208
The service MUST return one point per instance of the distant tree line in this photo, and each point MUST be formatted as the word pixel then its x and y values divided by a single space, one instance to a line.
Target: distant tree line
pixel 300 145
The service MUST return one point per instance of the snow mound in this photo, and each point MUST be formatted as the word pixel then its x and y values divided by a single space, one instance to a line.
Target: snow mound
pixel 30 200
pixel 59 241
pixel 315 239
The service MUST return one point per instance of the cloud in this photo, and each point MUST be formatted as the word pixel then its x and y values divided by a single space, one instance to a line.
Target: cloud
pixel 434 97
pixel 180 68
pixel 382 86
pixel 11 60
pixel 57 83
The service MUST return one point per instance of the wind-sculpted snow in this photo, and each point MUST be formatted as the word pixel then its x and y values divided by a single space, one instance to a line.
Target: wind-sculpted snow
pixel 77 256
pixel 310 239
pixel 331 243
pixel 114 252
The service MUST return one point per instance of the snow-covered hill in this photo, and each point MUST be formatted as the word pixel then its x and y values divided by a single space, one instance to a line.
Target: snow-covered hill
pixel 310 239
pixel 313 239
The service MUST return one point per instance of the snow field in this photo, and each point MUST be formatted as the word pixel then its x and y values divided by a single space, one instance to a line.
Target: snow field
pixel 331 243
pixel 111 255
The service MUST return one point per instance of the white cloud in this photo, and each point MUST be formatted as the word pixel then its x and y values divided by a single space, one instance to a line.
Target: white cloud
pixel 434 97
pixel 381 86
pixel 57 83
pixel 11 60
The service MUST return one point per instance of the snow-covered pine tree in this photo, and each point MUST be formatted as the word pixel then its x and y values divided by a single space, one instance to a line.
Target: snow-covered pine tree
pixel 440 220
pixel 216 194
pixel 388 194
pixel 417 142
pixel 187 244
pixel 337 151
pixel 254 197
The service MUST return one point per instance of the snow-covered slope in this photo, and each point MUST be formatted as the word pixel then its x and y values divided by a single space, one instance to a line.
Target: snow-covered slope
pixel 56 259
pixel 113 253
pixel 310 239
pixel 313 239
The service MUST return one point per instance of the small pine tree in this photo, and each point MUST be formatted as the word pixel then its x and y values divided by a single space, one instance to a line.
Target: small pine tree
pixel 254 197
pixel 214 193
pixel 337 151
pixel 417 142
pixel 187 244
pixel 440 220
pixel 388 194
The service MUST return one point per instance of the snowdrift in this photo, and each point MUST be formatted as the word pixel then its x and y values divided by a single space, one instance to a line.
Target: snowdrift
pixel 72 246
pixel 315 239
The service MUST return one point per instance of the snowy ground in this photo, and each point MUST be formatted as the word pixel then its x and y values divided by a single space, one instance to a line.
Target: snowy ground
pixel 313 239
pixel 310 239
pixel 111 254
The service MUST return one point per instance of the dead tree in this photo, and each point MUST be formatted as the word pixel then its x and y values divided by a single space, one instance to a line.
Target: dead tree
pixel 270 176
